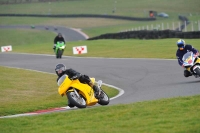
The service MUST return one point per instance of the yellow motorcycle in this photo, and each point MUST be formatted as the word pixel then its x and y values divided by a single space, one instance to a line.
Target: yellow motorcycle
pixel 191 62
pixel 79 94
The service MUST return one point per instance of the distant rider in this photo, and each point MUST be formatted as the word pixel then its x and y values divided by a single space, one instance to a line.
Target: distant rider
pixel 72 74
pixel 58 38
pixel 182 49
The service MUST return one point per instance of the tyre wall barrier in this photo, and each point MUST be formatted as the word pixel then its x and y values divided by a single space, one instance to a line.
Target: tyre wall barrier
pixel 144 34
pixel 79 15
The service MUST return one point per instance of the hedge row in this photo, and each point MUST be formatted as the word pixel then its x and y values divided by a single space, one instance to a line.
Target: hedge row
pixel 27 1
pixel 80 15
pixel 144 34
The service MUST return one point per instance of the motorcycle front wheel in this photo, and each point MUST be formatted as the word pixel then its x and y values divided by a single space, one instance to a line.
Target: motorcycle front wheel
pixel 76 99
pixel 197 70
pixel 59 53
pixel 104 99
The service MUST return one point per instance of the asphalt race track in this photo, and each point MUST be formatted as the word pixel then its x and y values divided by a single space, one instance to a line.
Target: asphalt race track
pixel 68 33
pixel 141 79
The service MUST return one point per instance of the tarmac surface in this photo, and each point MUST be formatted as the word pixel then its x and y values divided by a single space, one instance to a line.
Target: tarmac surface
pixel 141 79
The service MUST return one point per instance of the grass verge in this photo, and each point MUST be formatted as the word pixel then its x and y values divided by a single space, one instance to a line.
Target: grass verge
pixel 121 7
pixel 175 115
pixel 22 91
pixel 96 26
pixel 27 41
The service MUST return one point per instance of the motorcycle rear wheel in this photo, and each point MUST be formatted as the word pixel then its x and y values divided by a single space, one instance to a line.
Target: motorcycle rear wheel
pixel 75 100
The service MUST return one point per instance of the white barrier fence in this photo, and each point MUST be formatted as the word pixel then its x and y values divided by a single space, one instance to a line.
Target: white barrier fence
pixel 190 26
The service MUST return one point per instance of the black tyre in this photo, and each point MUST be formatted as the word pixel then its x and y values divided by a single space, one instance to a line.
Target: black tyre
pixel 76 100
pixel 197 70
pixel 59 53
pixel 104 99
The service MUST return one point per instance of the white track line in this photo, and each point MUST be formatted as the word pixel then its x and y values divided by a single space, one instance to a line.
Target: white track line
pixel 121 92
pixel 80 32
pixel 94 57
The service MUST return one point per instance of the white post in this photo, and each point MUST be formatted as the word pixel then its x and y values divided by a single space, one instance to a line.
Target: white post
pixel 192 26
pixel 185 26
pixel 158 27
pixel 199 25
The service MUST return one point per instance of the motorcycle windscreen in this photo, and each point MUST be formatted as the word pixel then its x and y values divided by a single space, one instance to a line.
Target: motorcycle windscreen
pixel 64 83
pixel 60 45
pixel 186 56
pixel 188 59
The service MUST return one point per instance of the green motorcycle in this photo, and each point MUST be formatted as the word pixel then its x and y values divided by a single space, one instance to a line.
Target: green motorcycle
pixel 60 46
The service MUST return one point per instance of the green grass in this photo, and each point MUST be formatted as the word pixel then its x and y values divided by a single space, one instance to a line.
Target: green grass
pixel 97 26
pixel 34 41
pixel 123 7
pixel 22 91
pixel 27 40
pixel 175 115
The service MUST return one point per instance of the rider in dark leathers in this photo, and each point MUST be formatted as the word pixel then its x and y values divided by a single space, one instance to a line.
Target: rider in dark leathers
pixel 58 38
pixel 72 74
pixel 182 49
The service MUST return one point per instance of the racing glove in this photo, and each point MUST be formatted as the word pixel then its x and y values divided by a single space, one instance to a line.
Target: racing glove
pixel 197 54
pixel 74 77
pixel 54 46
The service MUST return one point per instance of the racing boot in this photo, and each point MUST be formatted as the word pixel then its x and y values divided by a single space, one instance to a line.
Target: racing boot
pixel 54 47
pixel 196 76
pixel 187 73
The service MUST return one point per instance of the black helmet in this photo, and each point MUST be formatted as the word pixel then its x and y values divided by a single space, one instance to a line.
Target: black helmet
pixel 59 69
pixel 59 34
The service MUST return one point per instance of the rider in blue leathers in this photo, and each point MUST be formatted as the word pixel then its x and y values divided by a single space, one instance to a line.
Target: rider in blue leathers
pixel 182 49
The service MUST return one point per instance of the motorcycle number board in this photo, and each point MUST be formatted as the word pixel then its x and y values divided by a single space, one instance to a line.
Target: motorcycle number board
pixel 80 50
pixel 6 48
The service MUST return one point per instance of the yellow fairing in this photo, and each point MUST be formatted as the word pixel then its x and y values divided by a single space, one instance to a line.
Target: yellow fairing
pixel 188 68
pixel 198 60
pixel 64 86
pixel 85 90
